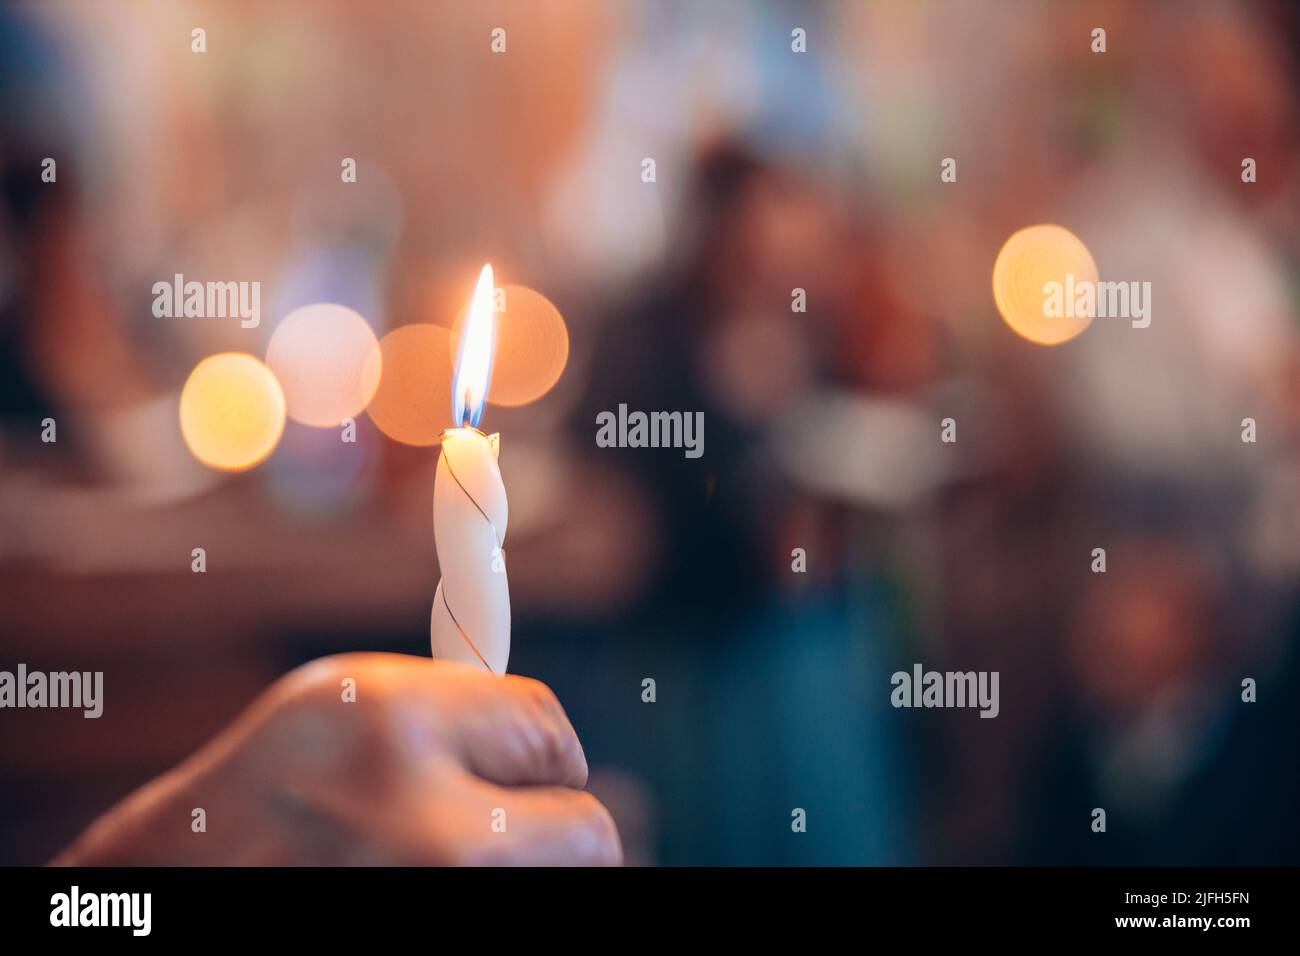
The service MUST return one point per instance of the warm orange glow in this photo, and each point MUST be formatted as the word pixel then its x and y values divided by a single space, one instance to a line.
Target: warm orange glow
pixel 474 364
pixel 532 346
pixel 232 411
pixel 327 361
pixel 1029 260
pixel 413 402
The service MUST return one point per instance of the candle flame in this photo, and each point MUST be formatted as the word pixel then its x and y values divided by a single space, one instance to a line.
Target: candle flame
pixel 469 387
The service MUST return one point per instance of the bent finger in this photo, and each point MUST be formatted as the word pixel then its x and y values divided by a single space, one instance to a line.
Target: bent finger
pixel 513 731
pixel 535 826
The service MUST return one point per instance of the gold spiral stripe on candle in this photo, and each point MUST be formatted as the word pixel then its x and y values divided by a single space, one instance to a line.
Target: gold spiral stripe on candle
pixel 452 471
pixel 495 537
pixel 451 614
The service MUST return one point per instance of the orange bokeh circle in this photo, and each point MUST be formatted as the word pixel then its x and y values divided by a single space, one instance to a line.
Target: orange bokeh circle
pixel 532 346
pixel 412 404
pixel 1030 259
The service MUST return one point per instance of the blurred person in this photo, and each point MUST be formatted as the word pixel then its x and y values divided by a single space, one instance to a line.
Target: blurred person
pixel 64 347
pixel 764 676
pixel 1161 733
pixel 996 546
pixel 431 763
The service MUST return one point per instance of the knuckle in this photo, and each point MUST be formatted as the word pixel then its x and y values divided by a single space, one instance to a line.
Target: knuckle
pixel 542 742
pixel 560 754
pixel 308 680
pixel 323 677
pixel 311 717
pixel 555 743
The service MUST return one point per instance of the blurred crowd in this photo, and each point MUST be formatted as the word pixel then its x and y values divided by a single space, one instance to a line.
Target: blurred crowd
pixel 775 171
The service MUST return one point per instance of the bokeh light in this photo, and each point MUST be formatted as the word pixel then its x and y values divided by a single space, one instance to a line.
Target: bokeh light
pixel 328 362
pixel 1030 259
pixel 413 402
pixel 231 411
pixel 532 346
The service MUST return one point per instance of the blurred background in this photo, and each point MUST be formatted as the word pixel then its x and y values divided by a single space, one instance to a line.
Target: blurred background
pixel 775 171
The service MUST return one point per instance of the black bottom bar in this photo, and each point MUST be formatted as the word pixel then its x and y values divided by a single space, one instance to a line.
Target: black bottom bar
pixel 303 905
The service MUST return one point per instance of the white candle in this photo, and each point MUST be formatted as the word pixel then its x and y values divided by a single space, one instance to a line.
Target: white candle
pixel 471 608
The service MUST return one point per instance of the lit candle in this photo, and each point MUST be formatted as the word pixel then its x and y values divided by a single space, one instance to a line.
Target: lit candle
pixel 471 608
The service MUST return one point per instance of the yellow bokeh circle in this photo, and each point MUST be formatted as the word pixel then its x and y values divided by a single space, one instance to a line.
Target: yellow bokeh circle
pixel 232 411
pixel 1029 260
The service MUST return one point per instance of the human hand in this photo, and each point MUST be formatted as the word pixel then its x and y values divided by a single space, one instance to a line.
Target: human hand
pixel 430 763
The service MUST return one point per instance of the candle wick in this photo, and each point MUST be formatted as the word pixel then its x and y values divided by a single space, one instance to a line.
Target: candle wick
pixel 467 417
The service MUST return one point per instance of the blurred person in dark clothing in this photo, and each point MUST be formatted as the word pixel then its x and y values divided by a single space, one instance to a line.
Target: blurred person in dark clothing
pixel 1191 767
pixel 766 679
